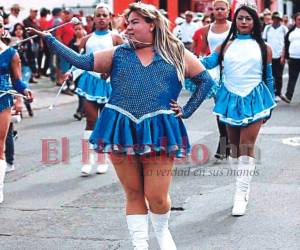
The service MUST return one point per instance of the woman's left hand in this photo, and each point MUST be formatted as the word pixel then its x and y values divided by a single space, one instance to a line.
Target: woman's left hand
pixel 28 95
pixel 176 108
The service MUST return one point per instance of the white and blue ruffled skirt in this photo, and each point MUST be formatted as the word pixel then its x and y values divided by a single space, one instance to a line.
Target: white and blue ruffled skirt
pixel 117 132
pixel 235 110
pixel 93 88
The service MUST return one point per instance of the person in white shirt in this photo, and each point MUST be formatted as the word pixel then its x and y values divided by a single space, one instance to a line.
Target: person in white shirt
pixel 213 36
pixel 14 16
pixel 274 35
pixel 292 53
pixel 176 30
pixel 187 30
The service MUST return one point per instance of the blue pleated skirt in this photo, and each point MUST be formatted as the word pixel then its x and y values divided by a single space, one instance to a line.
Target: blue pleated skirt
pixel 93 88
pixel 116 132
pixel 236 110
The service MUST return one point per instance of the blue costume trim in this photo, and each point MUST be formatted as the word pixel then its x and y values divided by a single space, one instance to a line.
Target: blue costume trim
pixel 101 32
pixel 270 80
pixel 20 86
pixel 92 88
pixel 210 61
pixel 85 61
pixel 244 36
pixel 204 84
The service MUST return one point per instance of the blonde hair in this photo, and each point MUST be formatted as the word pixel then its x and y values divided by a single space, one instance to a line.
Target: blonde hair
pixel 169 47
pixel 223 1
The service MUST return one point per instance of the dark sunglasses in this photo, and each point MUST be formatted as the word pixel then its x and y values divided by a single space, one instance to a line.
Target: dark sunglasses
pixel 1 25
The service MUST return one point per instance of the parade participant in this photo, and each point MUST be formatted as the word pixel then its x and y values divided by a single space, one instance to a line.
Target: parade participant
pixel 139 124
pixel 95 87
pixel 64 34
pixel 292 52
pixel 9 143
pixel 74 73
pixel 212 36
pixel 274 35
pixel 197 38
pixel 246 96
pixel 9 67
pixel 187 30
pixel 26 53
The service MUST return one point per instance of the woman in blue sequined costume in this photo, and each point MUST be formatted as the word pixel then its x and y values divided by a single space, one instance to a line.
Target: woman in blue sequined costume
pixel 140 125
pixel 246 97
pixel 94 86
pixel 10 71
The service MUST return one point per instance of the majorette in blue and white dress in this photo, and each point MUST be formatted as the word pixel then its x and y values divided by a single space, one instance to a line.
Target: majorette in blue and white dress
pixel 90 84
pixel 243 97
pixel 137 118
pixel 6 100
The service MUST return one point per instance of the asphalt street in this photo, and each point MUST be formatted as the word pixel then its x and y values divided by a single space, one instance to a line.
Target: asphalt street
pixel 50 206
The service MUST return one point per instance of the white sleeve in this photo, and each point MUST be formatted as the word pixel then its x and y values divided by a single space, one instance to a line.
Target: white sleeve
pixel 264 35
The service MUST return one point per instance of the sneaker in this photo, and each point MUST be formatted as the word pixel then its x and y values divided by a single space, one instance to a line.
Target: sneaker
pixel 15 134
pixel 67 92
pixel 86 170
pixel 220 158
pixel 102 168
pixel 277 98
pixel 9 168
pixel 285 99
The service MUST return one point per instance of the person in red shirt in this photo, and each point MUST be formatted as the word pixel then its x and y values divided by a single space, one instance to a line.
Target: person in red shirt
pixel 197 38
pixel 65 35
pixel 45 24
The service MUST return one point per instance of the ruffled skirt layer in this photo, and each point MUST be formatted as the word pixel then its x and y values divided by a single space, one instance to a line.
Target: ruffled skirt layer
pixel 93 88
pixel 236 110
pixel 116 132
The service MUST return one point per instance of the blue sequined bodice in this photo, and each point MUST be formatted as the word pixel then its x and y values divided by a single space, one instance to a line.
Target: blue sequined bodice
pixel 139 90
pixel 5 60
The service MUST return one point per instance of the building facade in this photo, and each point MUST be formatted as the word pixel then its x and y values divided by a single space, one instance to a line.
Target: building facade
pixel 177 7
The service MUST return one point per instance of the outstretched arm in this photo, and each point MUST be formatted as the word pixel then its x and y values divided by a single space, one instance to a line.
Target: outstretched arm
pixel 99 61
pixel 210 61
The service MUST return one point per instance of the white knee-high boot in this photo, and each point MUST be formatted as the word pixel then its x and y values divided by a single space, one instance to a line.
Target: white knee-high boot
pixel 138 229
pixel 233 162
pixel 160 223
pixel 2 176
pixel 87 167
pixel 245 172
pixel 102 166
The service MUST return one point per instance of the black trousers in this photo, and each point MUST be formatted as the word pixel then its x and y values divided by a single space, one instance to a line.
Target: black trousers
pixel 9 146
pixel 277 71
pixel 294 70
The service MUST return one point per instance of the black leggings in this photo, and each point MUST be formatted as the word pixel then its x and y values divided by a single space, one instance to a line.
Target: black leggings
pixel 223 149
